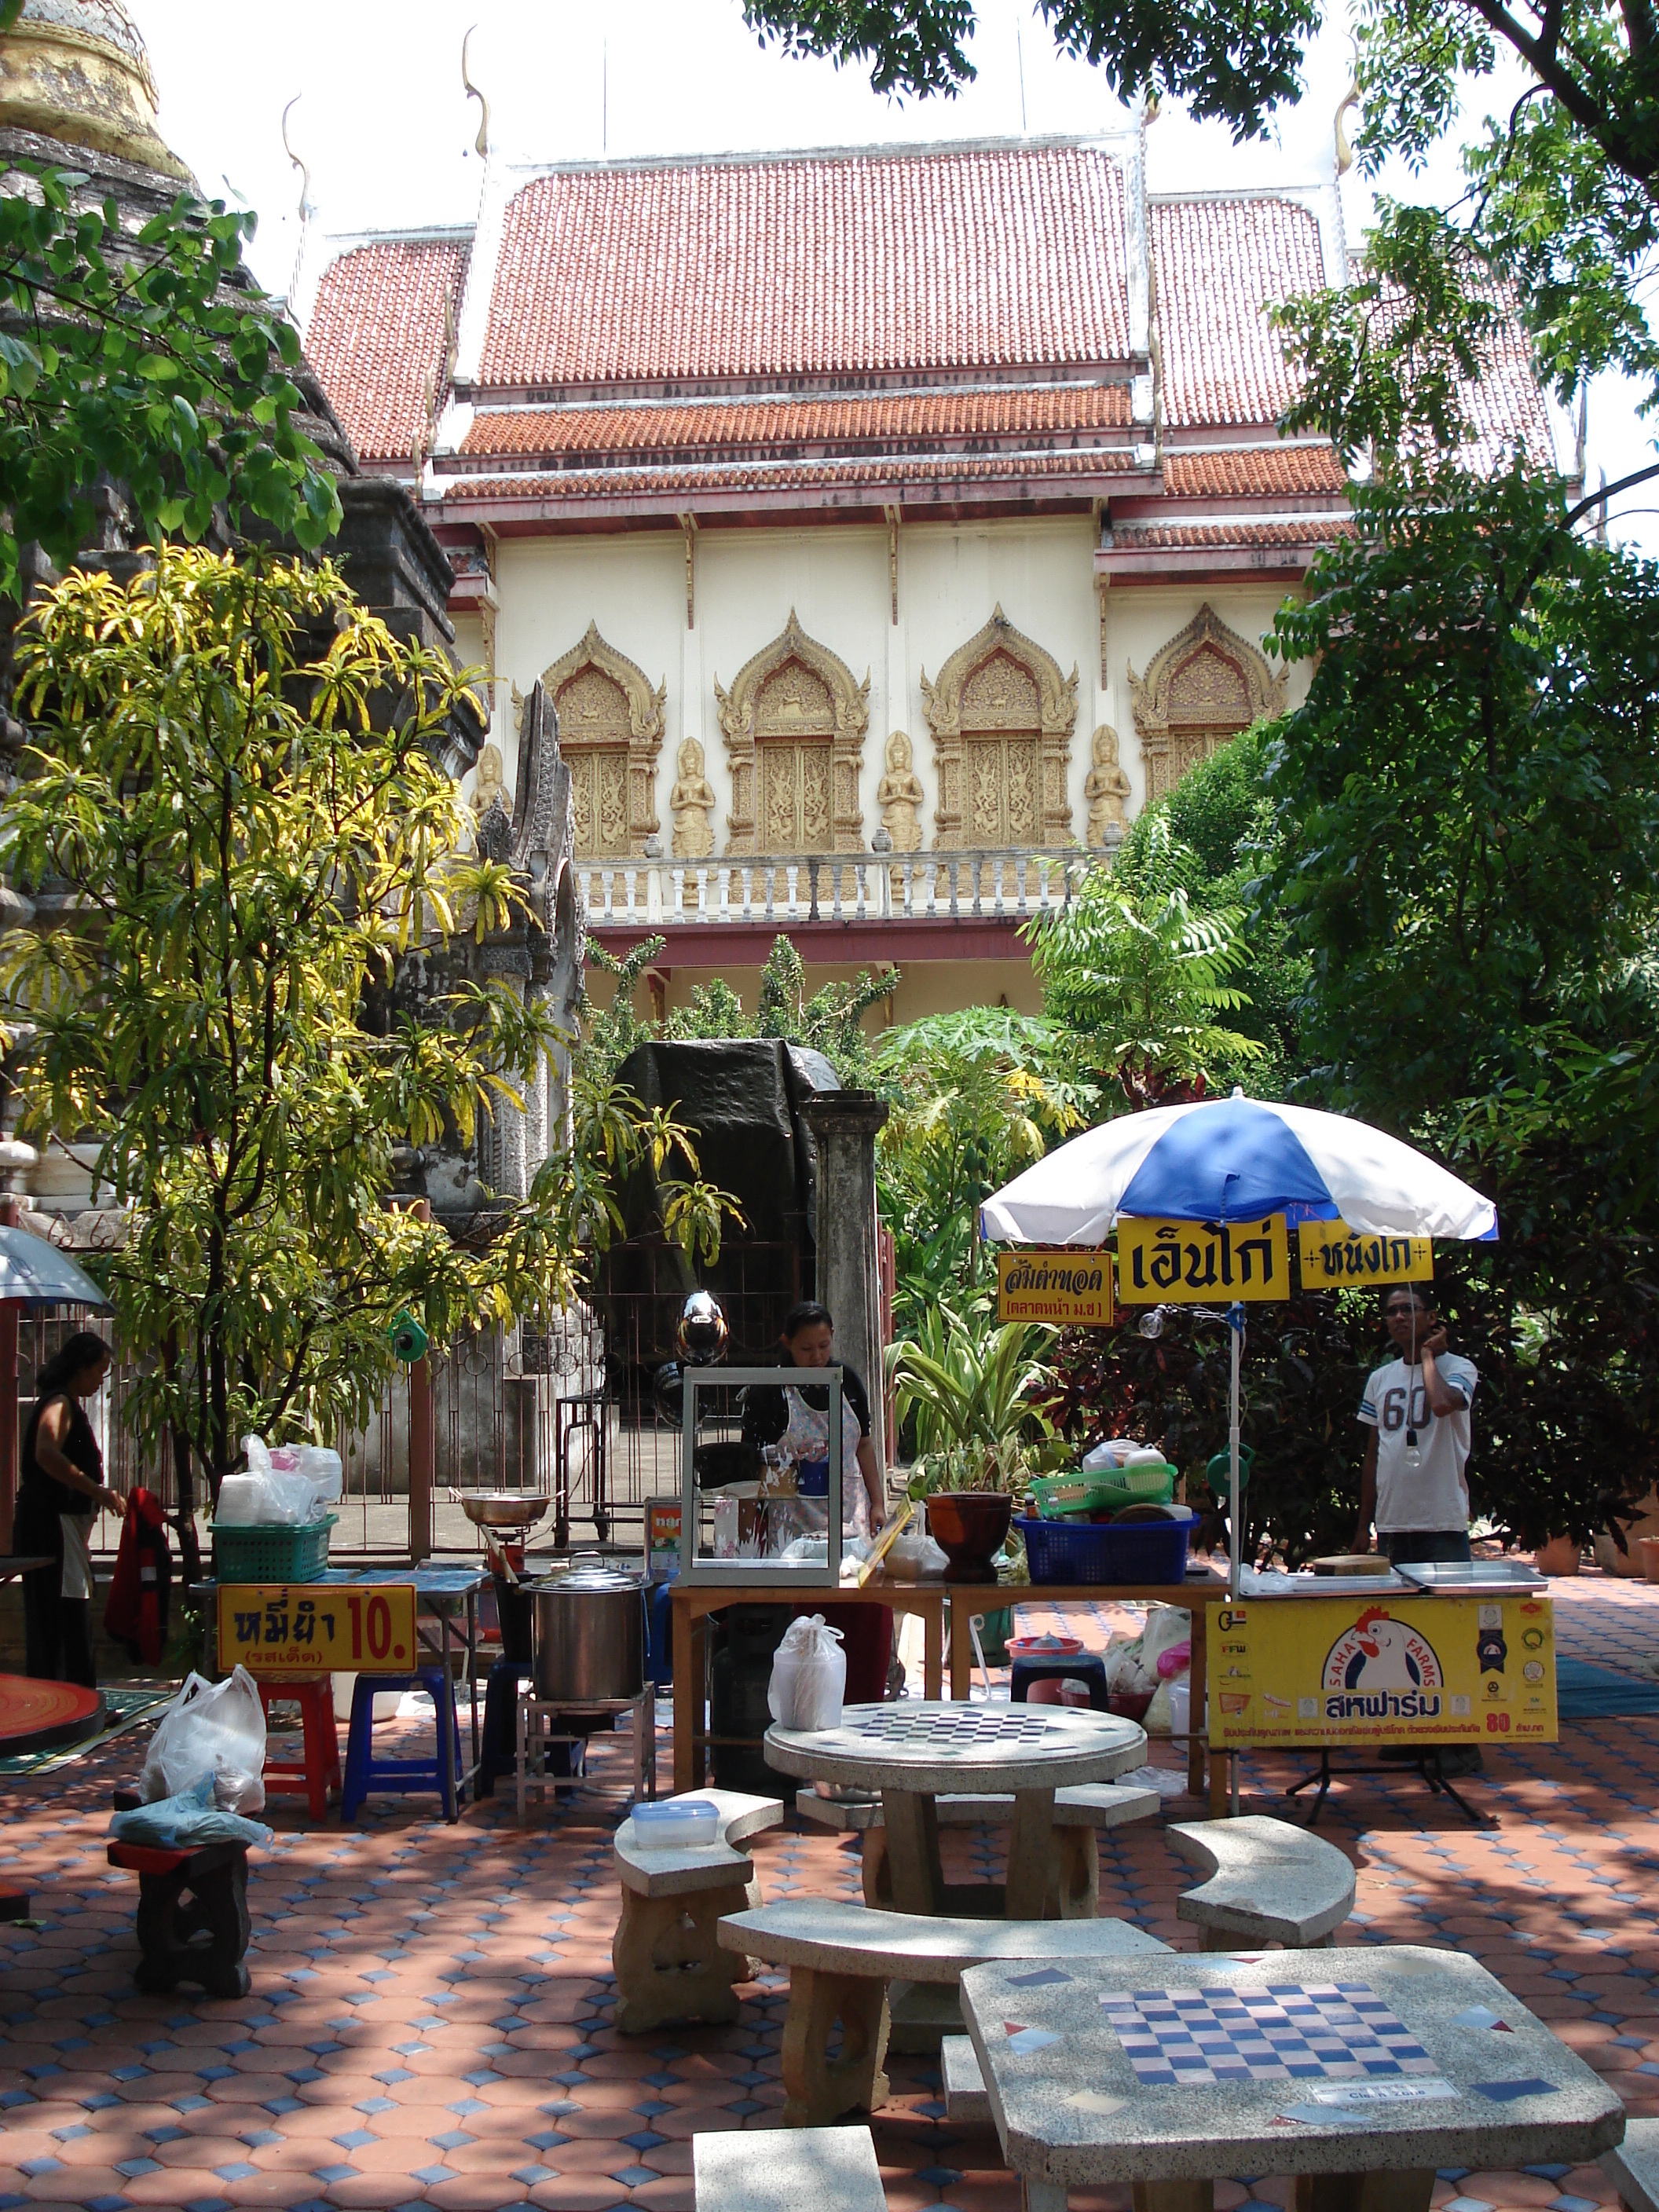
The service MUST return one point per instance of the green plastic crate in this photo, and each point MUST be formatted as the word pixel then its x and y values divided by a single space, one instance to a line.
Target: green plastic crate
pixel 1061 1496
pixel 272 1555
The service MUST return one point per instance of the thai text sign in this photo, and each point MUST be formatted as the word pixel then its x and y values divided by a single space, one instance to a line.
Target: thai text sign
pixel 313 1628
pixel 1333 1255
pixel 1320 1671
pixel 1068 1289
pixel 1202 1262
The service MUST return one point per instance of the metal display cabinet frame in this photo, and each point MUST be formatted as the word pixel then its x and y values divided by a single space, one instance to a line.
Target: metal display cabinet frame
pixel 729 1572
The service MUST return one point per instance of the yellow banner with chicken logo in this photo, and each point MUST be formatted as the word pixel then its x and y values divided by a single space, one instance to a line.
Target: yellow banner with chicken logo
pixel 1335 1257
pixel 1202 1262
pixel 1316 1672
pixel 1066 1289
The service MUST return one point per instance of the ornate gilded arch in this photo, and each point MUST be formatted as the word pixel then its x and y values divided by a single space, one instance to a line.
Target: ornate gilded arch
pixel 1200 690
pixel 794 723
pixel 610 732
pixel 1002 717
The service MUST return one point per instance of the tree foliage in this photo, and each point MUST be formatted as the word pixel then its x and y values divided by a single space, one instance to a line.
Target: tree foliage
pixel 149 356
pixel 231 794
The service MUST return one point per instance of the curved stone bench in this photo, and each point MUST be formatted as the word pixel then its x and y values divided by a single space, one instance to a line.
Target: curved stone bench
pixel 670 1968
pixel 1269 1881
pixel 841 1959
pixel 761 2170
pixel 1080 1814
pixel 1633 2167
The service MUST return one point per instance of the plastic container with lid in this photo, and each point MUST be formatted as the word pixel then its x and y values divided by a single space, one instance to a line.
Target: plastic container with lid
pixel 677 1824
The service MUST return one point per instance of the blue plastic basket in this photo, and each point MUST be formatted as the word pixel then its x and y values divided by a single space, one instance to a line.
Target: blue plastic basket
pixel 1090 1553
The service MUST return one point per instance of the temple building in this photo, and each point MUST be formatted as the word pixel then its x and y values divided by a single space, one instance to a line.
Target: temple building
pixel 885 526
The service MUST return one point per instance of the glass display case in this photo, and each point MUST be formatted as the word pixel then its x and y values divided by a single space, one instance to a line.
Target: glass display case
pixel 784 1525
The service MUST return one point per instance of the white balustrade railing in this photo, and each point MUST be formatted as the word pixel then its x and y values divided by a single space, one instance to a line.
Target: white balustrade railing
pixel 830 887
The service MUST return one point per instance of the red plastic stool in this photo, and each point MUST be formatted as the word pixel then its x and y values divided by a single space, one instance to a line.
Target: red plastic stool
pixel 319 1771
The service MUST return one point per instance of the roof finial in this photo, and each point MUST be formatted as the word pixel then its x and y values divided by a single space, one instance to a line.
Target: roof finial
pixel 1350 98
pixel 305 174
pixel 473 93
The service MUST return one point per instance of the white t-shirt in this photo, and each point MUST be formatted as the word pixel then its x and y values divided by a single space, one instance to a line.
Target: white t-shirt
pixel 1433 1495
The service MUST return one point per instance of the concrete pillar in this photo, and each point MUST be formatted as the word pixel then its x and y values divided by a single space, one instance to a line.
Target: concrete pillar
pixel 844 1125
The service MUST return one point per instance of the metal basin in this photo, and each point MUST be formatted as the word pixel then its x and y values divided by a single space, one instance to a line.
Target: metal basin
pixel 505 1509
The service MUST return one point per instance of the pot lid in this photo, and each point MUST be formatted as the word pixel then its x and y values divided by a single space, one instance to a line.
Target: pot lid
pixel 589 1575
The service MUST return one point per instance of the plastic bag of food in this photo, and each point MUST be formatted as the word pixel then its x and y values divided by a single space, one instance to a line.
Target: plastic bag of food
pixel 211 1728
pixel 276 1492
pixel 809 1677
pixel 186 1822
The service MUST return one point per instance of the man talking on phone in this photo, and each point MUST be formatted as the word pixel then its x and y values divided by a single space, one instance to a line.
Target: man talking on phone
pixel 1417 1409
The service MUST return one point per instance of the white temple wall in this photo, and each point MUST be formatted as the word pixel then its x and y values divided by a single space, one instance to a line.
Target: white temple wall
pixel 836 579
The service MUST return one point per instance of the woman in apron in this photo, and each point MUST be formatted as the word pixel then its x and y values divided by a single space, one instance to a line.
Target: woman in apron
pixel 796 1419
pixel 61 1484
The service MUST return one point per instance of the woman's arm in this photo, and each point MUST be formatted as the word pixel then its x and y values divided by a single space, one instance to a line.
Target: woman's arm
pixel 872 1481
pixel 49 1451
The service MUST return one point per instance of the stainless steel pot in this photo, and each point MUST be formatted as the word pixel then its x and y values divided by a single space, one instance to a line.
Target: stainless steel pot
pixel 588 1632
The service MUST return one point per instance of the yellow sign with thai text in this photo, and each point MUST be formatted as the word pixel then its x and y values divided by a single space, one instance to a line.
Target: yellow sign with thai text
pixel 1202 1262
pixel 1068 1289
pixel 1317 1671
pixel 316 1628
pixel 1335 1257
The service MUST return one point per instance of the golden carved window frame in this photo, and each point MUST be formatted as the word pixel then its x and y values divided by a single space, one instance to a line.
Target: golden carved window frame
pixel 1057 694
pixel 1265 686
pixel 647 723
pixel 851 712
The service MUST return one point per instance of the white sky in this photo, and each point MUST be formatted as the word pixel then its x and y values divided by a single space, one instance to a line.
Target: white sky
pixel 388 133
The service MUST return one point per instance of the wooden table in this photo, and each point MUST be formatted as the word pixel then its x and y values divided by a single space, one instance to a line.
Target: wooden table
pixel 693 1602
pixel 1401 2069
pixel 970 1598
pixel 913 1753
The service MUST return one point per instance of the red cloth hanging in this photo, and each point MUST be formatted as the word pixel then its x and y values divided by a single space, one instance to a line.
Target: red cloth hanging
pixel 137 1613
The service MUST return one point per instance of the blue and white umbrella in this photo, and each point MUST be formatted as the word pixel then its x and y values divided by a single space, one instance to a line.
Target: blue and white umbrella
pixel 1229 1160
pixel 1234 1159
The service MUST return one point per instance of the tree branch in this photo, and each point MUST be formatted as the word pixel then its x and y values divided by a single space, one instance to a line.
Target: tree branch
pixel 1621 148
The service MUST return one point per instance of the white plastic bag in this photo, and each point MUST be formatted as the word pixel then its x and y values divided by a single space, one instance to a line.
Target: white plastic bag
pixel 272 1496
pixel 1112 1453
pixel 211 1727
pixel 809 1677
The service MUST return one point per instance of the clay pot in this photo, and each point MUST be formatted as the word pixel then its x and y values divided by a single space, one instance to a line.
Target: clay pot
pixel 1648 1547
pixel 968 1526
pixel 1559 1557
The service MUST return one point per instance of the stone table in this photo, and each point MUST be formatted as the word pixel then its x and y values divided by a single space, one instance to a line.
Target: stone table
pixel 1359 2072
pixel 914 1751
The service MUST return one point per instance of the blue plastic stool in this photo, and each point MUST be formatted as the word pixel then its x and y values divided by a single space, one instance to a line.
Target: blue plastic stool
pixel 364 1773
pixel 1082 1666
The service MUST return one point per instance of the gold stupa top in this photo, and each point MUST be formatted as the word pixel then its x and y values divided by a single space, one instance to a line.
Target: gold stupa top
pixel 76 71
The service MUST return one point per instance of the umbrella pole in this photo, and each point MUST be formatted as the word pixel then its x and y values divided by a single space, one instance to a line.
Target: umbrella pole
pixel 1235 1326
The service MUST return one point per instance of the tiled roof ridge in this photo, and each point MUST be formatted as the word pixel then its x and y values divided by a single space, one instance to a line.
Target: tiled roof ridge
pixel 1122 142
pixel 1116 458
pixel 938 387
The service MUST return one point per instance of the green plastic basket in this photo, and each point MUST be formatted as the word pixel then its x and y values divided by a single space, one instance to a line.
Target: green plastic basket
pixel 272 1555
pixel 1061 1497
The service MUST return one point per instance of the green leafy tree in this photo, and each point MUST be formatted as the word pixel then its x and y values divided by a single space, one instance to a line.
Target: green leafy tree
pixel 233 792
pixel 610 1033
pixel 151 357
pixel 1142 972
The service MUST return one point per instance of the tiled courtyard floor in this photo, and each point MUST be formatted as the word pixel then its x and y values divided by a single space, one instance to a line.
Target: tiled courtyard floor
pixel 430 2015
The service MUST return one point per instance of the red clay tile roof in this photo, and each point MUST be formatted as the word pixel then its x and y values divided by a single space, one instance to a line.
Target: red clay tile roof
pixel 964 258
pixel 1307 530
pixel 792 474
pixel 377 332
pixel 1010 410
pixel 1254 472
pixel 1218 262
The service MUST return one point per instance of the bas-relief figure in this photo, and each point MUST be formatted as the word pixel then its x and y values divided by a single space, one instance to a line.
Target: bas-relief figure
pixel 1106 789
pixel 488 785
pixel 689 802
pixel 899 794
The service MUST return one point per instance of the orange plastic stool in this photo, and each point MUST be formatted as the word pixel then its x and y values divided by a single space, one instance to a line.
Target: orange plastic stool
pixel 319 1771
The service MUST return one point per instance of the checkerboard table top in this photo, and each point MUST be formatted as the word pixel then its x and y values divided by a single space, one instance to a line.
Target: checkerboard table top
pixel 1386 2059
pixel 929 1747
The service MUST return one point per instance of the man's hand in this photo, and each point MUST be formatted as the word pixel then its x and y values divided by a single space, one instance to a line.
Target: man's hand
pixel 1434 1344
pixel 1361 1540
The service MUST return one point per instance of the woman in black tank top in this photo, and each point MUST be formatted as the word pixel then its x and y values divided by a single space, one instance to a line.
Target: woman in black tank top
pixel 61 1483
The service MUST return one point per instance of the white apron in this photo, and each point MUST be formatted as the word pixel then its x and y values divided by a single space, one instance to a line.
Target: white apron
pixel 77 1560
pixel 807 1437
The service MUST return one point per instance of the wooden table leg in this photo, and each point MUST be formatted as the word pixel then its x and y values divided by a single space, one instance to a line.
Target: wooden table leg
pixel 1407 2192
pixel 1031 1841
pixel 1198 1675
pixel 688 1697
pixel 1173 2196
pixel 913 1860
pixel 961 1647
pixel 933 1654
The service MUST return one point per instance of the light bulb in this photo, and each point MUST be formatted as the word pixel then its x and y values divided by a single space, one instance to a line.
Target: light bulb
pixel 1413 1456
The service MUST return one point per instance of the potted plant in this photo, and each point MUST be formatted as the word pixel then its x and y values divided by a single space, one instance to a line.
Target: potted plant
pixel 968 1389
